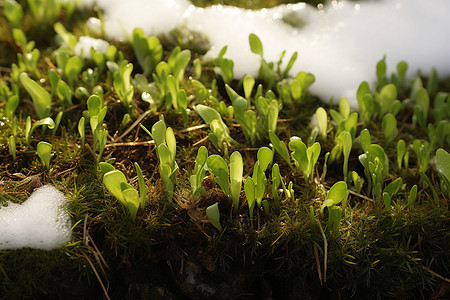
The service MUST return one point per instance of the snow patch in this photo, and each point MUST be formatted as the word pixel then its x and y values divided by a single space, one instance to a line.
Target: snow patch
pixel 339 43
pixel 40 222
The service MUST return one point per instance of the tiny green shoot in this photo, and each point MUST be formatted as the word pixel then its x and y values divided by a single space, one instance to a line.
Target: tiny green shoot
pixel 213 214
pixel 44 151
pixel 12 147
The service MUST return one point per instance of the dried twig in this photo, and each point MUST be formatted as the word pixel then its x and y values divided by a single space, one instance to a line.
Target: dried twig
pixel 138 120
pixel 435 274
pixel 96 274
pixel 131 144
pixel 319 271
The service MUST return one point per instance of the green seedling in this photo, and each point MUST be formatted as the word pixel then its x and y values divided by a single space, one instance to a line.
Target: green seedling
pixel 277 180
pixel 125 120
pixel 102 137
pixel 433 81
pixel 345 120
pixel 422 151
pixel 62 56
pixel 300 85
pixel 293 92
pixel 381 72
pixel 213 214
pixel 443 166
pixel 90 77
pixel 82 94
pixel 438 134
pixel 401 151
pixel 338 193
pixel 41 98
pixel 421 108
pixel 12 147
pixel 305 158
pixel 399 78
pixel 280 147
pixel 345 139
pixel 357 181
pixel 412 196
pixel 148 50
pixel 131 197
pixel 72 70
pixel 256 127
pixel 97 113
pixel 250 194
pixel 200 91
pixel 166 149
pixel 389 128
pixel 14 127
pixel 198 173
pixel 221 107
pixel 178 61
pixel 344 143
pixel 390 190
pixel 112 180
pixel 217 166
pixel 265 156
pixel 142 186
pixel 53 78
pixel 116 183
pixel 325 166
pixel 27 62
pixel 46 122
pixel 365 102
pixel 197 63
pixel 232 186
pixel 122 83
pixel 64 93
pixel 246 118
pixel 255 187
pixel 441 106
pixel 322 122
pixel 223 66
pixel 28 58
pixel 267 70
pixel 168 78
pixel 220 134
pixel 13 12
pixel 57 122
pixel 236 170
pixel 21 40
pixel 365 139
pixel 81 131
pixel 344 112
pixel 11 106
pixel 100 61
pixel 68 39
pixel 376 169
pixel 111 53
pixel 44 151
pixel 45 11
pixel 248 82
pixel 385 101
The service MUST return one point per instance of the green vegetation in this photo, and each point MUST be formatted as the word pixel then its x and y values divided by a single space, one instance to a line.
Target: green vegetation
pixel 249 180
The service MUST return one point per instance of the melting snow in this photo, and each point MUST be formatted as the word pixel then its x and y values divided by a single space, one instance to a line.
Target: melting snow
pixel 339 43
